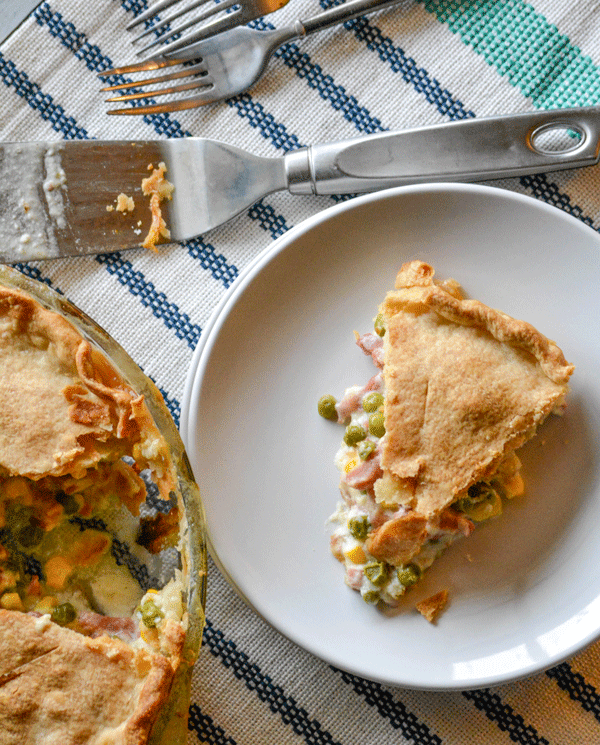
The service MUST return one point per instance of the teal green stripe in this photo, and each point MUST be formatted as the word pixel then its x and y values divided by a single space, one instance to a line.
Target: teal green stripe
pixel 523 46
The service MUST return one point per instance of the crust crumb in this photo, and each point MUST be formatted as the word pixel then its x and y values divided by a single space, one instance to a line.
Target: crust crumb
pixel 125 203
pixel 431 608
pixel 158 188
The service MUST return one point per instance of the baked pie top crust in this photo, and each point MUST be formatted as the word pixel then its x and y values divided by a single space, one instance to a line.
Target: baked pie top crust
pixel 465 385
pixel 63 407
pixel 102 690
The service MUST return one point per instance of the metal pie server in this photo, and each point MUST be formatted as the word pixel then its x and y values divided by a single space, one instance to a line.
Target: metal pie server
pixel 58 199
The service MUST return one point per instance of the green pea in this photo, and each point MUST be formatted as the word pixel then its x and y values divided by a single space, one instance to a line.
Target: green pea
pixel 63 614
pixel 68 502
pixel 365 448
pixel 409 575
pixel 372 401
pixel 359 527
pixel 371 597
pixel 30 535
pixel 354 433
pixel 379 324
pixel 151 614
pixel 326 407
pixel 377 424
pixel 376 572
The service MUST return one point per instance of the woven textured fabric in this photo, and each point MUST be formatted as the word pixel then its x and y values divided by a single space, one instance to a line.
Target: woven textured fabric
pixel 422 62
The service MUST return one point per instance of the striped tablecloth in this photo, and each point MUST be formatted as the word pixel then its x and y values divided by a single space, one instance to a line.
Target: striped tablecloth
pixel 418 63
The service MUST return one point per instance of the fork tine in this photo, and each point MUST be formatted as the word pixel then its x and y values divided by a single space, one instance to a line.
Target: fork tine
pixel 205 82
pixel 220 7
pixel 151 11
pixel 167 19
pixel 146 66
pixel 163 108
pixel 185 73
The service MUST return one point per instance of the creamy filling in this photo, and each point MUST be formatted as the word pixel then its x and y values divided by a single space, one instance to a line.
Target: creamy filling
pixel 70 553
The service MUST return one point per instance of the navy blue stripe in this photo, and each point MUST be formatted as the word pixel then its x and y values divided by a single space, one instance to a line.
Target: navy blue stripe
pixel 209 259
pixel 575 686
pixel 34 273
pixel 394 56
pixel 405 66
pixel 161 308
pixel 268 692
pixel 539 185
pixel 268 219
pixel 173 406
pixel 206 730
pixel 41 102
pixel 504 717
pixel 394 711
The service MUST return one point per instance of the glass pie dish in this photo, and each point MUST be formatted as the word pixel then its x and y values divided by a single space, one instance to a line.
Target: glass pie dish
pixel 182 559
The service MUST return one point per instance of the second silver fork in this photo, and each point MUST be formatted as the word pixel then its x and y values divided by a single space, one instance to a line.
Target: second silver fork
pixel 225 65
pixel 230 13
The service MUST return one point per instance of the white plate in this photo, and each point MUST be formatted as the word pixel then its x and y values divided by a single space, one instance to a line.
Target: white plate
pixel 524 588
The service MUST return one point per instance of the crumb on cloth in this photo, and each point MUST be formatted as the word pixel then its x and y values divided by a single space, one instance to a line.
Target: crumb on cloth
pixel 432 607
pixel 157 188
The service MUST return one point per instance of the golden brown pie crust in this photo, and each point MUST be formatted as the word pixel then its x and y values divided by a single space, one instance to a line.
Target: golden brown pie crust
pixel 63 407
pixel 465 385
pixel 57 686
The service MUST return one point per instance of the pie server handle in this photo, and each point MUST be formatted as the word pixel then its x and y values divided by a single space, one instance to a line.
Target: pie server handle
pixel 467 150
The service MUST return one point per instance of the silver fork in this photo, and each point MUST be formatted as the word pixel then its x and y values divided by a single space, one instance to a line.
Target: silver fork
pixel 233 13
pixel 225 65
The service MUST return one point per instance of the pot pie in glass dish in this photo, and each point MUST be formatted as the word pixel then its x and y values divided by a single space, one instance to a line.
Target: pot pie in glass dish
pixel 102 552
pixel 429 443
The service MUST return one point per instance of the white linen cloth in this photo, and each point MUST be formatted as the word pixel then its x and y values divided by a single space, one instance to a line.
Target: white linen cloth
pixel 418 63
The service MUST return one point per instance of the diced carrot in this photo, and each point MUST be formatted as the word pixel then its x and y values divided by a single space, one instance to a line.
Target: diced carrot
pixel 88 550
pixel 58 571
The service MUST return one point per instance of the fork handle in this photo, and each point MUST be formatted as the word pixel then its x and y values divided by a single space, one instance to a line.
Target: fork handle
pixel 340 13
pixel 468 150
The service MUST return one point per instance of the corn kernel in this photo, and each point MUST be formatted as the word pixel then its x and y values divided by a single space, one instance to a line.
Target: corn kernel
pixel 46 605
pixel 356 555
pixel 150 636
pixel 11 601
pixel 350 465
pixel 514 487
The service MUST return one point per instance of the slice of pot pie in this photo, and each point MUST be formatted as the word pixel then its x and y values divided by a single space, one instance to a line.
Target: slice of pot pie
pixel 90 641
pixel 429 442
